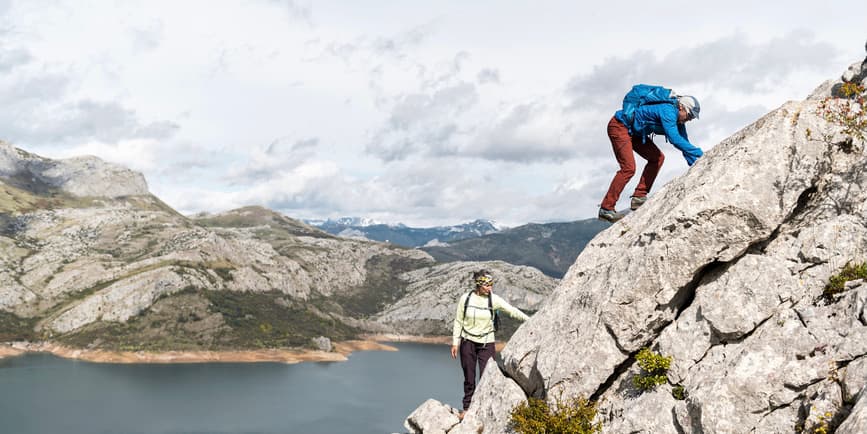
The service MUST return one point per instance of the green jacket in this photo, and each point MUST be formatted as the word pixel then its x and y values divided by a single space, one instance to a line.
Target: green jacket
pixel 478 325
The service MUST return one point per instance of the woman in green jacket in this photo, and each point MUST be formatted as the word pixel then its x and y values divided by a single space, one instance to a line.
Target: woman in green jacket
pixel 473 333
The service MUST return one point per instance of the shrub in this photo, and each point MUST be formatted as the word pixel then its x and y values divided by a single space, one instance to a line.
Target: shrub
pixel 678 392
pixel 837 283
pixel 573 416
pixel 654 367
pixel 847 112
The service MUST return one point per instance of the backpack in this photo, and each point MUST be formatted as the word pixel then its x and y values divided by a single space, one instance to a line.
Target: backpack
pixel 644 94
pixel 494 314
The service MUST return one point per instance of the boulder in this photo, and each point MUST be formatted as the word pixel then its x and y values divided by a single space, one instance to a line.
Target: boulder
pixel 432 417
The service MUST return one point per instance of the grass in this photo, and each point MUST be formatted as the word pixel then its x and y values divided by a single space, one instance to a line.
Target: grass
pixel 198 319
pixel 257 320
pixel 16 328
pixel 381 286
pixel 837 283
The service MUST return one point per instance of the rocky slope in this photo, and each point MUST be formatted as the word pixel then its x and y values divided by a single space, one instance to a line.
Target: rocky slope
pixel 723 270
pixel 90 259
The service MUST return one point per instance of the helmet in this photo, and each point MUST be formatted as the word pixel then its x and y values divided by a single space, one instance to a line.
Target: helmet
pixel 690 104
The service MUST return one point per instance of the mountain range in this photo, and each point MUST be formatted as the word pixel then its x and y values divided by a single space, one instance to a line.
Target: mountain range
pixel 549 247
pixel 402 235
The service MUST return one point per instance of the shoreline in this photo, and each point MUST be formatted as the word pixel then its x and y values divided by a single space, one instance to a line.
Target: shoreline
pixel 340 353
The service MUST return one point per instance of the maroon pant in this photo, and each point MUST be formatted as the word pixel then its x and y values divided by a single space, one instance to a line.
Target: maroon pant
pixel 623 146
pixel 472 353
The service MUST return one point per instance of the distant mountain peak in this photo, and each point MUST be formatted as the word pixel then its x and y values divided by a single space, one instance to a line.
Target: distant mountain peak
pixel 79 176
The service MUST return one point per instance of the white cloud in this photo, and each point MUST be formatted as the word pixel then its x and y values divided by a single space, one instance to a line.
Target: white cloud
pixel 422 113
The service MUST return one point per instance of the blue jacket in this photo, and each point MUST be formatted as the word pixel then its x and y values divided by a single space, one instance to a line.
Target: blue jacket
pixel 662 119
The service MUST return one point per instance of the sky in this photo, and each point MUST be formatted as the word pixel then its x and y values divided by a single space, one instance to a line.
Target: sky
pixel 418 112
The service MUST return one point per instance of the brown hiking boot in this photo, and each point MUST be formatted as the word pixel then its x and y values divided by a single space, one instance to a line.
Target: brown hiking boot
pixel 636 202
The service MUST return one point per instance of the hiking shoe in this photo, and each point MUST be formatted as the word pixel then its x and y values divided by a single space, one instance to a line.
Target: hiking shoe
pixel 609 215
pixel 637 201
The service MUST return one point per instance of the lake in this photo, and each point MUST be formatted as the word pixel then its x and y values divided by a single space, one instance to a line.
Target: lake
pixel 372 392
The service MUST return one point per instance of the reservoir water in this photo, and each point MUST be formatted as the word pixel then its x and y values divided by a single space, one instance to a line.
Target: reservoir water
pixel 373 392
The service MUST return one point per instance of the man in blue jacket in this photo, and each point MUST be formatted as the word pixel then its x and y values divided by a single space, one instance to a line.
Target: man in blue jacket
pixel 664 119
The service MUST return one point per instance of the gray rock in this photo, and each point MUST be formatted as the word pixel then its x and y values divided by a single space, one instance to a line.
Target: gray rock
pixel 80 176
pixel 491 409
pixel 854 379
pixel 432 417
pixel 856 422
pixel 653 412
pixel 322 343
pixel 723 269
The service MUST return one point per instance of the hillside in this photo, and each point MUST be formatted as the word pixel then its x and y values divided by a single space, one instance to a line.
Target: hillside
pixel 726 271
pixel 89 258
pixel 550 247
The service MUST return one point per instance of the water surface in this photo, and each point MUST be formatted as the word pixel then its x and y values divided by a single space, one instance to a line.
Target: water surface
pixel 373 392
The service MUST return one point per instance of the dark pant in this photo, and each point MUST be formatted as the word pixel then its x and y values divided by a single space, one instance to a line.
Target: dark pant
pixel 472 353
pixel 623 146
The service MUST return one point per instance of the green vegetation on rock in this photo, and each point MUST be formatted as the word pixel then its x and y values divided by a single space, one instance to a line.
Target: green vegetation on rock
pixel 381 286
pixel 197 319
pixel 15 328
pixel 654 367
pixel 573 416
pixel 837 283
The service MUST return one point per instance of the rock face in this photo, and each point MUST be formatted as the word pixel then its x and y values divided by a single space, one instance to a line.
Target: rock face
pixel 81 176
pixel 723 270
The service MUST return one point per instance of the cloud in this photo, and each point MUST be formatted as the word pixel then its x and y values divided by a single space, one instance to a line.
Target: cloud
pixel 147 38
pixel 296 11
pixel 86 120
pixel 279 157
pixel 10 59
pixel 423 123
pixel 488 75
pixel 732 63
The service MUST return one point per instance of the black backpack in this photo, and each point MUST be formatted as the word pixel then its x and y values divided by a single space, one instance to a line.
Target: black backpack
pixel 494 314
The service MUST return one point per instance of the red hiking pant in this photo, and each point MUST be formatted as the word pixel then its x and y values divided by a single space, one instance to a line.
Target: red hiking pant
pixel 623 146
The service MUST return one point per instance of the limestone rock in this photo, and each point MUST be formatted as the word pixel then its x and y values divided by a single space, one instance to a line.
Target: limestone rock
pixel 81 176
pixel 856 423
pixel 723 269
pixel 492 405
pixel 322 343
pixel 432 417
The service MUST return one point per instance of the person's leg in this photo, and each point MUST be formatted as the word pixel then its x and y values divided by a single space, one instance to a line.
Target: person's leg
pixel 468 365
pixel 622 145
pixel 486 351
pixel 650 152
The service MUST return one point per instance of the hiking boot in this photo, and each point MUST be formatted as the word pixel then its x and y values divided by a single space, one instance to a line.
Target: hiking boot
pixel 609 215
pixel 637 201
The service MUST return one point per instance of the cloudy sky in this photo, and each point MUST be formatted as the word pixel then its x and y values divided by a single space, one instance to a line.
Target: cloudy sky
pixel 421 112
